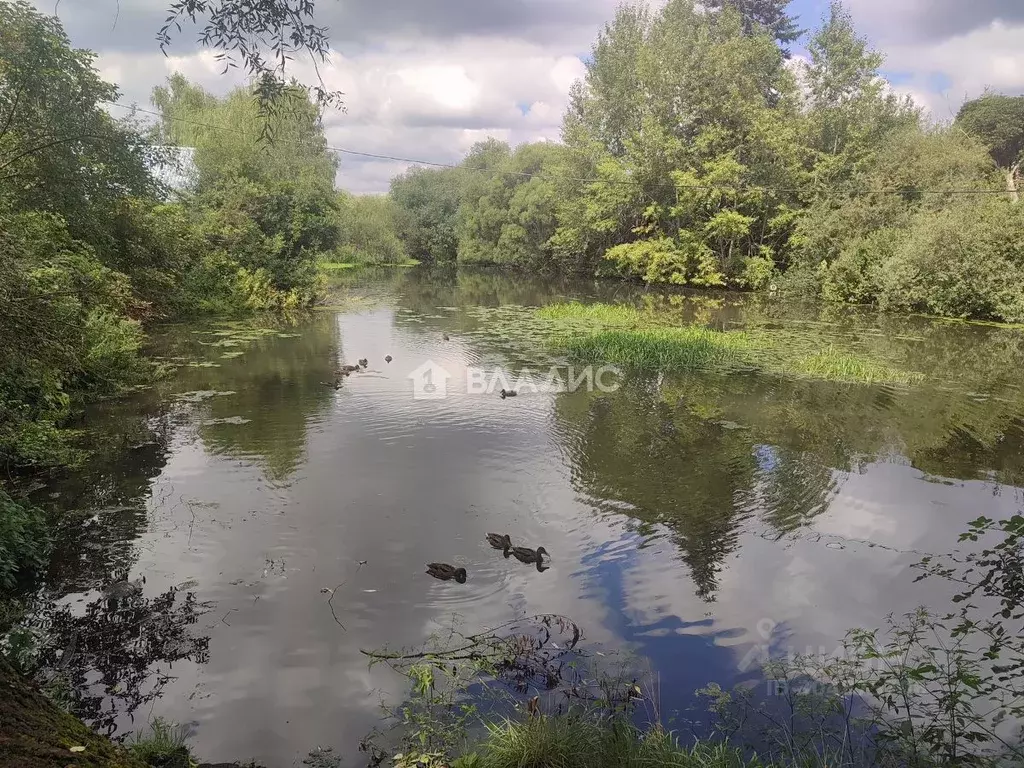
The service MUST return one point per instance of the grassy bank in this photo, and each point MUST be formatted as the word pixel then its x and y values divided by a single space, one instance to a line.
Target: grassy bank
pixel 648 340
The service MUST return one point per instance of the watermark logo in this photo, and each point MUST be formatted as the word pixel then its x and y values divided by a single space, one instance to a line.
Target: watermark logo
pixel 430 380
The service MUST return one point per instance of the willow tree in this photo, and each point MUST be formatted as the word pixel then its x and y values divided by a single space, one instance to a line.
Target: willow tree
pixel 261 39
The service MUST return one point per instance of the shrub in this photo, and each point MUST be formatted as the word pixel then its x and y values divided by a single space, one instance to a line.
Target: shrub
pixel 23 542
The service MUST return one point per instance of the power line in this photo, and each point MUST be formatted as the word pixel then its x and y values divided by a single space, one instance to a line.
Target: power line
pixel 529 175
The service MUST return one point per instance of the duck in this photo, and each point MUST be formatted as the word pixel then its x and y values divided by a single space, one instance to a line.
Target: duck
pixel 388 358
pixel 446 337
pixel 446 572
pixel 500 541
pixel 334 384
pixel 526 555
pixel 363 362
pixel 507 393
pixel 346 369
pixel 122 588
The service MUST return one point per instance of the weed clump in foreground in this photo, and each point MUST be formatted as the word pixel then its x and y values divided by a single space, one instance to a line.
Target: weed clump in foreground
pixel 665 349
pixel 164 746
pixel 571 741
pixel 836 366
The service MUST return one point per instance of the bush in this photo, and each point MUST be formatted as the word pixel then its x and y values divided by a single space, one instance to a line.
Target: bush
pixel 368 230
pixel 966 261
pixel 23 542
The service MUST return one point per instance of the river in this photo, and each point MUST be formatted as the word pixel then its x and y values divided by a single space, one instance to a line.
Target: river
pixel 697 521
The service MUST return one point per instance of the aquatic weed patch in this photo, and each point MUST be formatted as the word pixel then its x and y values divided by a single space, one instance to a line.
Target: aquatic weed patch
pixel 835 365
pixel 664 349
pixel 653 340
pixel 599 314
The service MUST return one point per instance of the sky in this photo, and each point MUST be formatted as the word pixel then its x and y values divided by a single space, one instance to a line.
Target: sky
pixel 426 79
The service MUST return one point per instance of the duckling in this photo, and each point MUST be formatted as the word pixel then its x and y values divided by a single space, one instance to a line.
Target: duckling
pixel 446 337
pixel 364 362
pixel 526 555
pixel 507 393
pixel 500 541
pixel 388 358
pixel 446 572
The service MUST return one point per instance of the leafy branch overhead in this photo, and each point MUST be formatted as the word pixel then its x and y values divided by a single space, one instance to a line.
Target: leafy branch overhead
pixel 260 38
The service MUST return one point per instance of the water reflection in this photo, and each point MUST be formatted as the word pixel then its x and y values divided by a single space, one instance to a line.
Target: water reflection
pixel 680 512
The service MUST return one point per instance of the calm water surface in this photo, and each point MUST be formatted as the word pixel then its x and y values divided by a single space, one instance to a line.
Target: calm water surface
pixel 695 520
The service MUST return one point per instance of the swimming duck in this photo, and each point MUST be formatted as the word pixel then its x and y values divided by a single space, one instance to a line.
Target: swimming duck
pixel 123 588
pixel 335 384
pixel 348 369
pixel 388 358
pixel 500 541
pixel 526 555
pixel 364 362
pixel 446 572
pixel 446 337
pixel 507 393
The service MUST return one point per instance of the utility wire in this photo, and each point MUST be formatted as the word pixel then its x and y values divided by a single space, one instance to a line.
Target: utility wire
pixel 530 175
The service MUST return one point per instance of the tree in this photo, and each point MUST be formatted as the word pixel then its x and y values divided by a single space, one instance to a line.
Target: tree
pixel 998 121
pixel 693 190
pixel 850 111
pixel 512 219
pixel 767 15
pixel 428 207
pixel 268 210
pixel 368 229
pixel 262 38
pixel 60 151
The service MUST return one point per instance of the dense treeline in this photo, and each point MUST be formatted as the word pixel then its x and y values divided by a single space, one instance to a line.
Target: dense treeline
pixel 94 244
pixel 697 152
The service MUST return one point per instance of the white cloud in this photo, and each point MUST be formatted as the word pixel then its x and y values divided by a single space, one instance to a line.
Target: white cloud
pixel 426 79
pixel 947 52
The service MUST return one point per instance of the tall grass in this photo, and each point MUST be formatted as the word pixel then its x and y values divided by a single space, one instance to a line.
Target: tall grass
pixel 836 366
pixel 164 745
pixel 665 349
pixel 570 741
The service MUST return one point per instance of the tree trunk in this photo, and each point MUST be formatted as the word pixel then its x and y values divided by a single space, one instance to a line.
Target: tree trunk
pixel 35 733
pixel 1011 182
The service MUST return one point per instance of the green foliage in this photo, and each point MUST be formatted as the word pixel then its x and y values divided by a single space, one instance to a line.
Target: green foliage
pixel 164 746
pixel 579 741
pixel 24 542
pixel 428 205
pixel 660 349
pixel 507 216
pixel 833 365
pixel 589 315
pixel 692 182
pixel 61 151
pixel 998 121
pixel 368 230
pixel 767 15
pixel 920 694
pixel 261 213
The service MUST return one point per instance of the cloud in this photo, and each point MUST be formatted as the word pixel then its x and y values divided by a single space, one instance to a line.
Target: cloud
pixel 423 80
pixel 944 52
pixel 926 21
pixel 427 78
